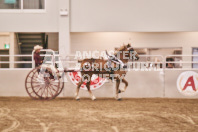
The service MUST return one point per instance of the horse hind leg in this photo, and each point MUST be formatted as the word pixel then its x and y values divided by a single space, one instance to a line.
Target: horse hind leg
pixel 117 89
pixel 126 85
pixel 77 90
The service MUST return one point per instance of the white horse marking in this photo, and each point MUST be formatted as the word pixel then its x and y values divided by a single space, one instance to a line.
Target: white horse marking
pixel 93 97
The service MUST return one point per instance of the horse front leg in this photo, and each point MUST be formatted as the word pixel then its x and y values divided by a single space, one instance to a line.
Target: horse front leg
pixel 89 90
pixel 117 89
pixel 126 85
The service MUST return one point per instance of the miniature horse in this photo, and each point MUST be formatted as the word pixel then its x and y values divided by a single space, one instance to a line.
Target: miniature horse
pixel 99 67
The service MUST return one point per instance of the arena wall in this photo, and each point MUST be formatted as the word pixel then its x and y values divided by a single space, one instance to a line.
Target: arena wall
pixel 107 16
pixel 109 40
pixel 4 39
pixel 46 21
pixel 134 15
pixel 142 84
pixel 170 83
pixel 12 82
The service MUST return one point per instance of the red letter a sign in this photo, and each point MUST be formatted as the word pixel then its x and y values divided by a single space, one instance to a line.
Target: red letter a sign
pixel 190 82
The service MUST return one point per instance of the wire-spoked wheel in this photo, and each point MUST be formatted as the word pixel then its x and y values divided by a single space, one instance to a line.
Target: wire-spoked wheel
pixel 45 84
pixel 28 84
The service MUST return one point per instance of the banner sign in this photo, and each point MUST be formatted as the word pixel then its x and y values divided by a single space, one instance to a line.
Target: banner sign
pixel 187 83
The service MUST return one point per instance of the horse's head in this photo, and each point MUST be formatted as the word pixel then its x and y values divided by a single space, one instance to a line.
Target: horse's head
pixel 133 54
pixel 126 52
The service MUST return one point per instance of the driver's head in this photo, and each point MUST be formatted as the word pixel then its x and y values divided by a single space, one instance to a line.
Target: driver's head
pixel 38 48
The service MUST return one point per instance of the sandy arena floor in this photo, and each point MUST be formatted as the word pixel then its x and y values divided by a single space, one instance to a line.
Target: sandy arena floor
pixel 102 115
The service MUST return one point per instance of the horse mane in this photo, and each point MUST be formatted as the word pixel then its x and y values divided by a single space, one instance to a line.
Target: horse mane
pixel 121 48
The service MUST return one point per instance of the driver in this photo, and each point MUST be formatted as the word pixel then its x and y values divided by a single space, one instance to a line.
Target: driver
pixel 37 58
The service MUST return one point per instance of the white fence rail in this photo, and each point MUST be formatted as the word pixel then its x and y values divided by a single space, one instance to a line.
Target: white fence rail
pixel 184 62
pixel 147 61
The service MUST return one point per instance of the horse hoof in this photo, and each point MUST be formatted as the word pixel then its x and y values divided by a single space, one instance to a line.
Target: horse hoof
pixel 119 91
pixel 78 99
pixel 119 99
pixel 93 98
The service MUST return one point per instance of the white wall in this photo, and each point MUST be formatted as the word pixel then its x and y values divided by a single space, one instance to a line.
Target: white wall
pixel 4 39
pixel 107 16
pixel 134 15
pixel 64 28
pixel 32 22
pixel 112 15
pixel 53 41
pixel 163 51
pixel 108 40
pixel 142 84
pixel 9 38
pixel 170 82
pixel 11 85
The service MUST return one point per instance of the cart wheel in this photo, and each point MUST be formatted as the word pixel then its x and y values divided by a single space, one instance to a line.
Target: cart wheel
pixel 28 85
pixel 45 84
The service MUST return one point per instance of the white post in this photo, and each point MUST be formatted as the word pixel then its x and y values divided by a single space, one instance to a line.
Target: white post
pixel 11 50
pixel 187 51
pixel 64 28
